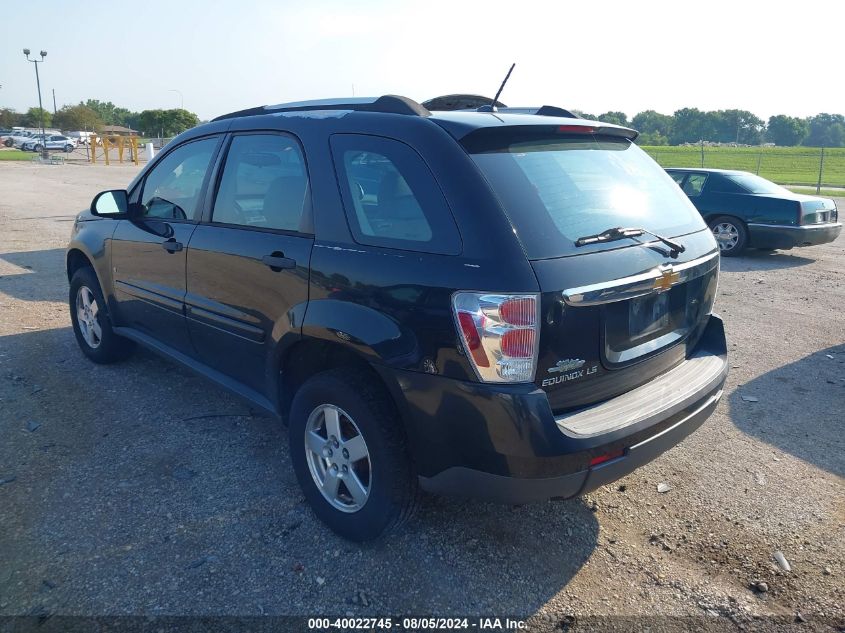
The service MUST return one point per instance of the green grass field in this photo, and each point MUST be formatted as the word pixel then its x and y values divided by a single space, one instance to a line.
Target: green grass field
pixel 15 154
pixel 783 165
pixel 827 193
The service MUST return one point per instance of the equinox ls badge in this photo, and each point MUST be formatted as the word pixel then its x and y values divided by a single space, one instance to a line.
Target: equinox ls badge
pixel 570 369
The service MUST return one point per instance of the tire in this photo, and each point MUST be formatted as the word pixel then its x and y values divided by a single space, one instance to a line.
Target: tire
pixel 91 324
pixel 69 148
pixel 386 486
pixel 8 142
pixel 731 235
pixel 37 148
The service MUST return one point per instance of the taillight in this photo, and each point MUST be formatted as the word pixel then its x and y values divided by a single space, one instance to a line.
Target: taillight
pixel 499 333
pixel 472 339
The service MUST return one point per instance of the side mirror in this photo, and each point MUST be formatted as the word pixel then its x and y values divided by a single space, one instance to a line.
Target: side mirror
pixel 111 204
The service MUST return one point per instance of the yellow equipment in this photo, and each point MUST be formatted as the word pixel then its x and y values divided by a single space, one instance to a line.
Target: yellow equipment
pixel 108 142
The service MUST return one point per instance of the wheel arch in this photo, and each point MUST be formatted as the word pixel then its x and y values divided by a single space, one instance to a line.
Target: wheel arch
pixel 75 259
pixel 710 217
pixel 310 356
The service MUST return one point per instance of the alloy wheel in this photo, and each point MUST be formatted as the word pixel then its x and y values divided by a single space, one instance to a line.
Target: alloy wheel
pixel 86 316
pixel 338 458
pixel 727 236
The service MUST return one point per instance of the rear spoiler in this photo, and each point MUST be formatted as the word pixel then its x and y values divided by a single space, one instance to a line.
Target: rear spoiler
pixel 544 110
pixel 607 129
pixel 495 137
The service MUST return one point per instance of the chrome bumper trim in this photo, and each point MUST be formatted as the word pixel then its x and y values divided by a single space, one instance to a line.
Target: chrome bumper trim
pixel 642 284
pixel 802 227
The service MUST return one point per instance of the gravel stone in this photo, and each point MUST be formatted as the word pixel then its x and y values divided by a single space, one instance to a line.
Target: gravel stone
pixel 781 561
pixel 111 549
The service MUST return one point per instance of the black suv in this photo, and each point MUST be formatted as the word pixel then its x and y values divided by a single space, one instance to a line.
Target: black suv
pixel 470 302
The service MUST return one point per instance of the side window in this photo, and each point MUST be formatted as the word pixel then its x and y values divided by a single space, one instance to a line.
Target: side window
pixel 264 183
pixel 391 197
pixel 172 188
pixel 678 176
pixel 694 184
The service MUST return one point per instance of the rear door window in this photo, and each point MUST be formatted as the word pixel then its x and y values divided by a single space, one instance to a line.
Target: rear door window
pixel 677 176
pixel 391 197
pixel 264 184
pixel 695 184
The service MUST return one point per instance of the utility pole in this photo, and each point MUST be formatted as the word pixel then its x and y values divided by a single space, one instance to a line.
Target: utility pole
pixel 40 106
pixel 54 101
pixel 821 171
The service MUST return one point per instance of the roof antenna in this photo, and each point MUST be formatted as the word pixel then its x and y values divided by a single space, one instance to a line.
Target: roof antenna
pixel 492 106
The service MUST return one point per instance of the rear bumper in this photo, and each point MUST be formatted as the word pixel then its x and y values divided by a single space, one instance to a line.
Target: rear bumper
pixel 474 483
pixel 782 236
pixel 504 444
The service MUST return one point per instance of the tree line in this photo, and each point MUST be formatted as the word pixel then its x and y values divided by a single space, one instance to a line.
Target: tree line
pixel 691 125
pixel 94 114
pixel 687 125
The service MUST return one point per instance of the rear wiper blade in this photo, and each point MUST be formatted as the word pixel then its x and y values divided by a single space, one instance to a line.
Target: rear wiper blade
pixel 619 233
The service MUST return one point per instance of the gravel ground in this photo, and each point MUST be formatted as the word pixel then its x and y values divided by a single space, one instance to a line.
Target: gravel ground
pixel 141 489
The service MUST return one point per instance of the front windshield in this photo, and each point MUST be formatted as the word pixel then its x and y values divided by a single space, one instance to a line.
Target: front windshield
pixel 555 190
pixel 755 184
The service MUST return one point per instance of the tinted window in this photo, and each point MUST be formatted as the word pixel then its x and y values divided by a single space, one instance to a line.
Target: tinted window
pixel 264 183
pixel 677 176
pixel 557 189
pixel 745 183
pixel 695 184
pixel 172 188
pixel 391 197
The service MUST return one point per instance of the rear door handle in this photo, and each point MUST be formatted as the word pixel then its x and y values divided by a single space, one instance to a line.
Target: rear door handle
pixel 277 261
pixel 171 245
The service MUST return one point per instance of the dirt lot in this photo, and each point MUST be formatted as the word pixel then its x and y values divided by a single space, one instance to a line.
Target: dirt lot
pixel 141 489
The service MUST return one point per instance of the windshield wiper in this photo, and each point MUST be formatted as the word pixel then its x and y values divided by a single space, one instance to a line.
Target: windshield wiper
pixel 619 233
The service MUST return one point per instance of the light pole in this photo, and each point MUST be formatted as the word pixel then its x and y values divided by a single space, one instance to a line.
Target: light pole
pixel 181 98
pixel 40 107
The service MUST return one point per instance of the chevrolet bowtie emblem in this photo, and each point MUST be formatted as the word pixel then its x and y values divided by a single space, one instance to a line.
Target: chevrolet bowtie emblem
pixel 667 279
pixel 567 364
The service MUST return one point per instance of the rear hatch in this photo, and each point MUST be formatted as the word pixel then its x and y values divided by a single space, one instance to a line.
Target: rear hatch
pixel 614 314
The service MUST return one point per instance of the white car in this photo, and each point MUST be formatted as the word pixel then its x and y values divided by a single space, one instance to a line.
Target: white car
pixel 82 138
pixel 18 138
pixel 51 141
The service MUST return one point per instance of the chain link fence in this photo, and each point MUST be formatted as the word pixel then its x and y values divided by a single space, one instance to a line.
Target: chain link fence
pixel 82 154
pixel 807 166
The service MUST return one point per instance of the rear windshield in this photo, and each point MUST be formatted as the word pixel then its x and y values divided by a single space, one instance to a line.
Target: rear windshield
pixel 555 190
pixel 755 184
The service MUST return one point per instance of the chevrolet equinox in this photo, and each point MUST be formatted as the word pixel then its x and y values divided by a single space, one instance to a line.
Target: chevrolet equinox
pixel 510 304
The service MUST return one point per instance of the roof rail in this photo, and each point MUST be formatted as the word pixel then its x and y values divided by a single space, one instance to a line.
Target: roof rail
pixel 390 104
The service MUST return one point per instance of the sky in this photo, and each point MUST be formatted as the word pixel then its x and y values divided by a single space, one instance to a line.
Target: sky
pixel 227 55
